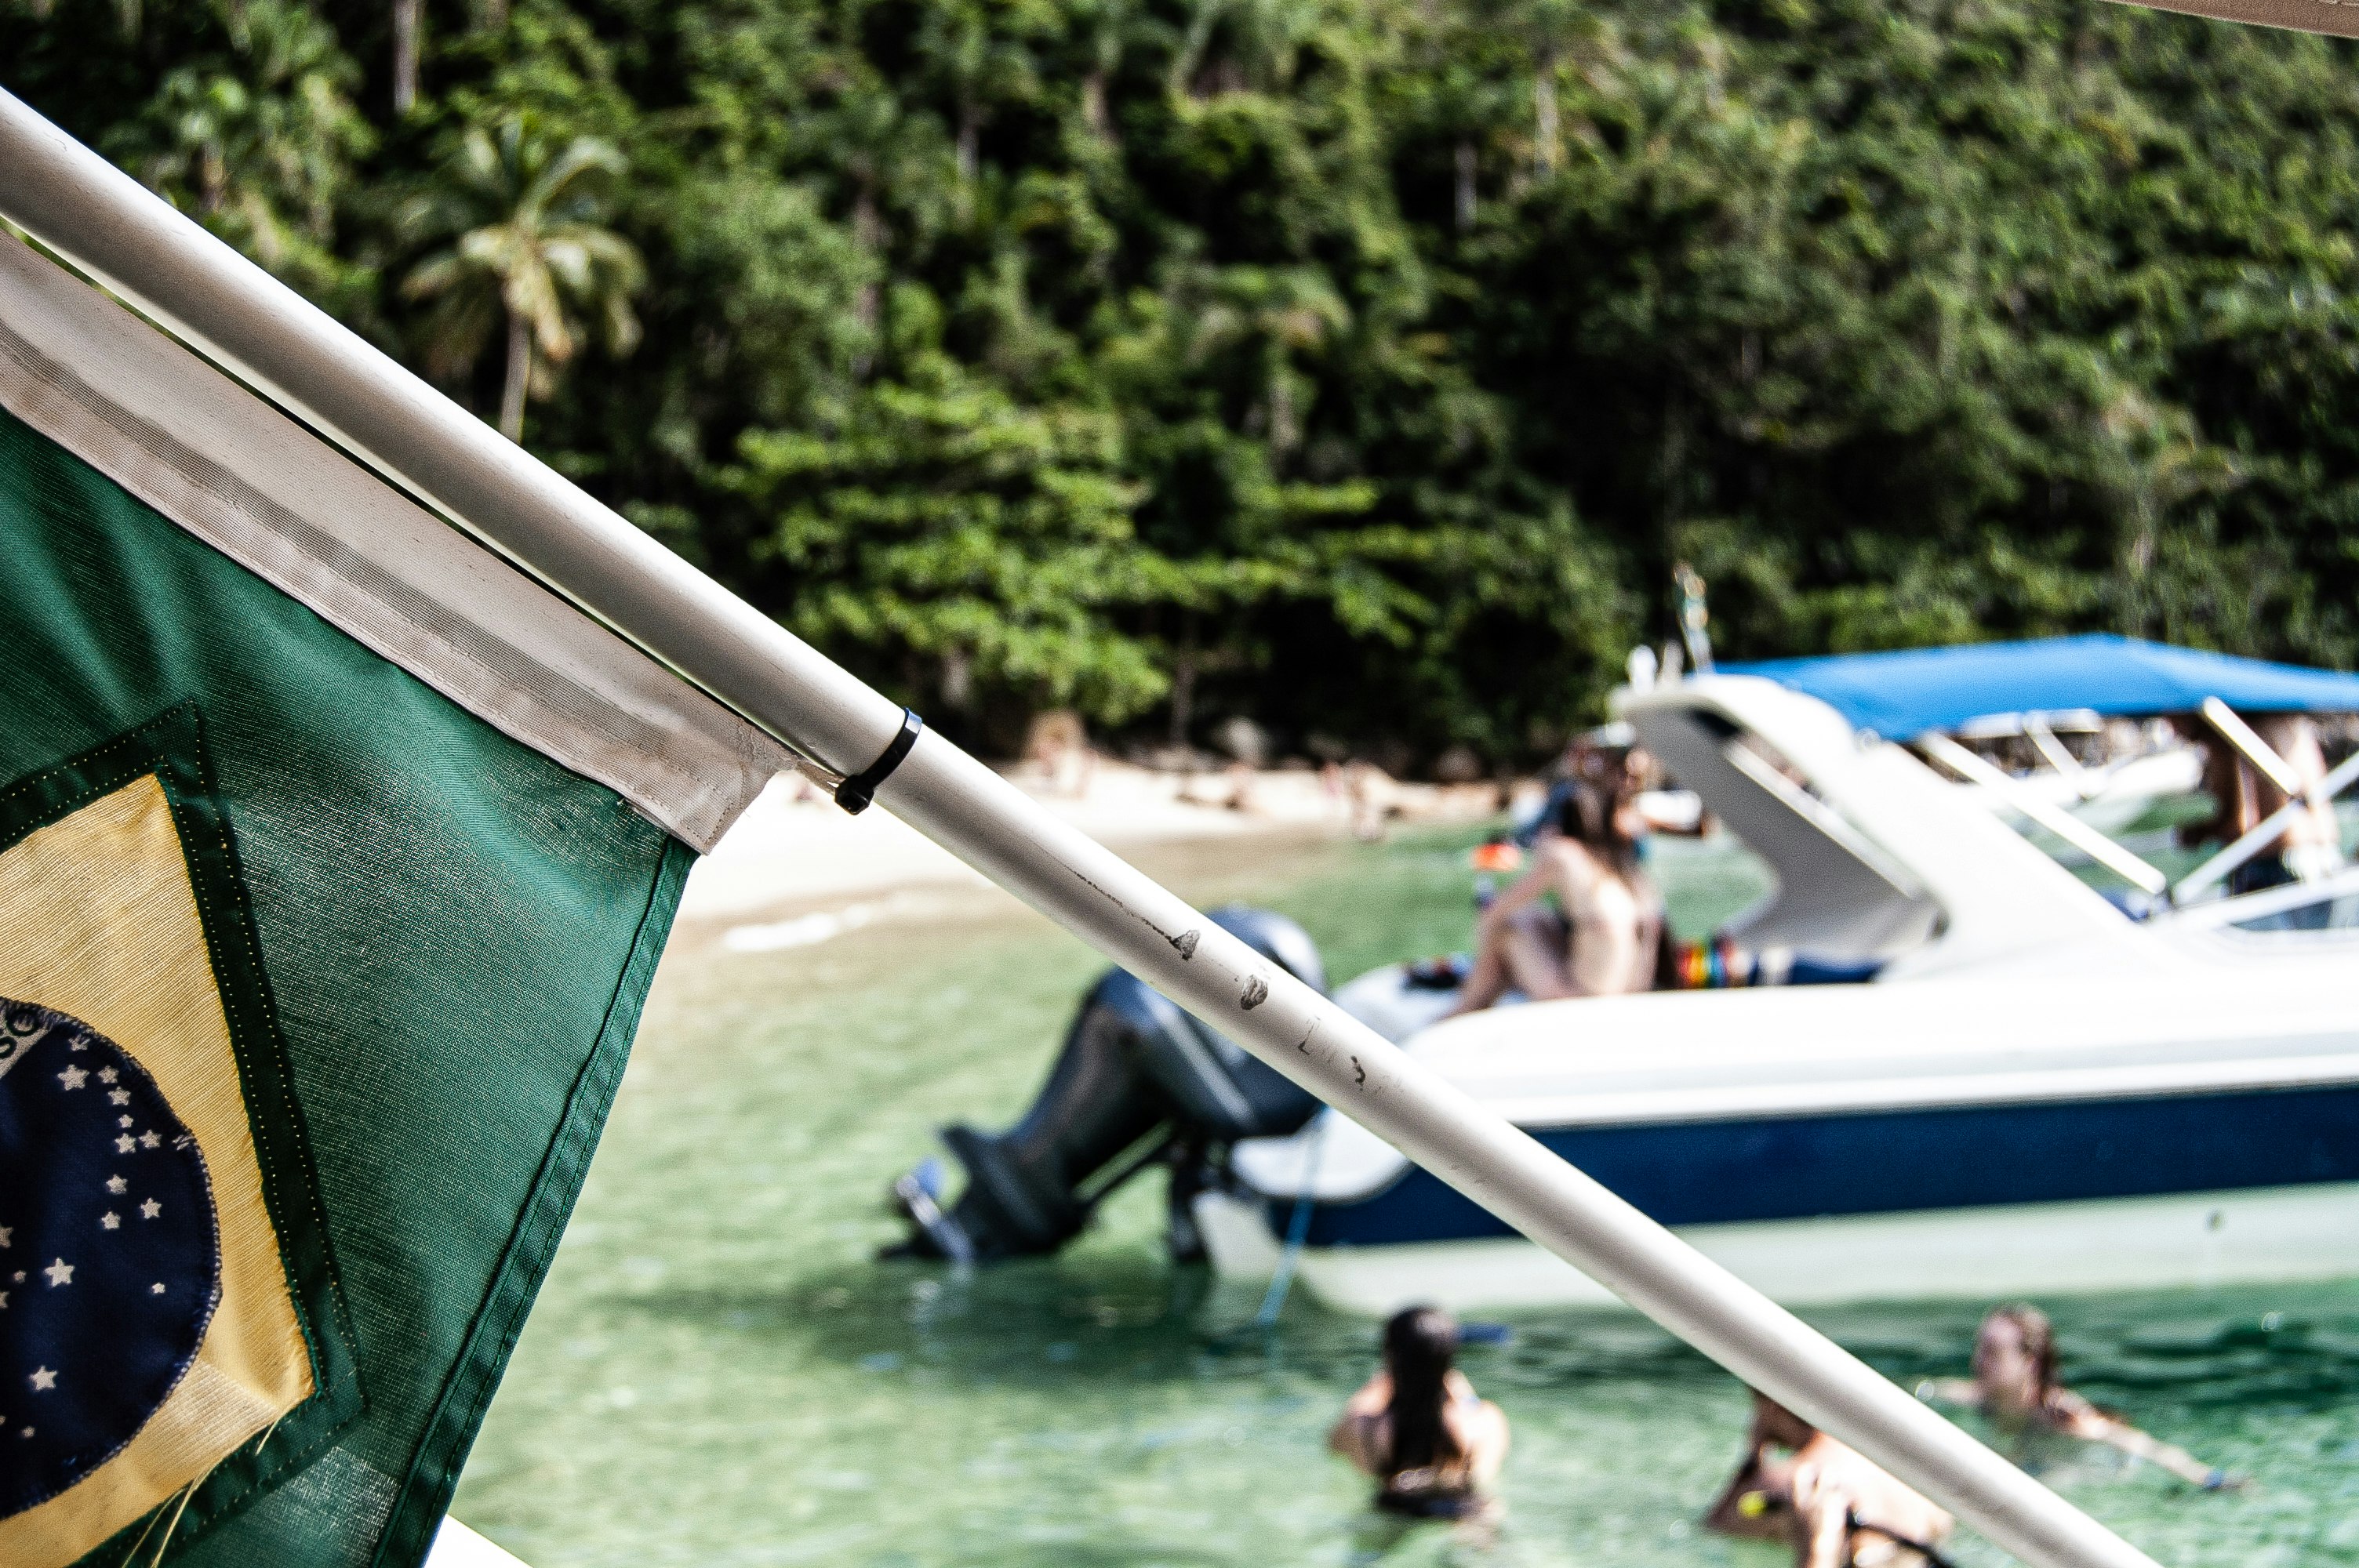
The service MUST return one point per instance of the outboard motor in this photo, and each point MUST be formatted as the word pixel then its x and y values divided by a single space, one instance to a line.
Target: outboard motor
pixel 1140 1078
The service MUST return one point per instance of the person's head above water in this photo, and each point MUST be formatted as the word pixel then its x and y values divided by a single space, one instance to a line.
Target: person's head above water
pixel 2015 1359
pixel 1773 1422
pixel 1420 1347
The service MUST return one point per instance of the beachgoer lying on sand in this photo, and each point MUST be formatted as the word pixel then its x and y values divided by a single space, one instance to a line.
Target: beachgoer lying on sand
pixel 1417 1426
pixel 2014 1385
pixel 1604 936
pixel 1838 1509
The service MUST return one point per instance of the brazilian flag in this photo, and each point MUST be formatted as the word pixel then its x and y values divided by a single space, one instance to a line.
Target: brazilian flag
pixel 335 859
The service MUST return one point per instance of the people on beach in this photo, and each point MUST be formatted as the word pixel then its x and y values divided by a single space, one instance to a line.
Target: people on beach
pixel 2014 1385
pixel 1603 936
pixel 1835 1508
pixel 1432 1444
pixel 1057 748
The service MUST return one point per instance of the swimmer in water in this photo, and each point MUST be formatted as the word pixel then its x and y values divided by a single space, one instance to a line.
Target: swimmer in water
pixel 1836 1508
pixel 2014 1385
pixel 1418 1427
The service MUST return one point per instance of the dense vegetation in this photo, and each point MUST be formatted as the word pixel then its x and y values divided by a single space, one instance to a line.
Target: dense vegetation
pixel 1360 365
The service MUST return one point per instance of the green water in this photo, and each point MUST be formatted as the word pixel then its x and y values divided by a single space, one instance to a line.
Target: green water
pixel 718 1373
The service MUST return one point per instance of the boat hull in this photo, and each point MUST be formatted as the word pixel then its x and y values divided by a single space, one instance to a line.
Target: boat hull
pixel 1926 1201
pixel 2253 1235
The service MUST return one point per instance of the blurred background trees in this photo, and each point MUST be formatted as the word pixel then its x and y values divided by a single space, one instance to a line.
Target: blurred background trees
pixel 1358 367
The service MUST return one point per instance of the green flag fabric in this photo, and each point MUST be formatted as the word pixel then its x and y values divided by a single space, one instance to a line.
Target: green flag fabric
pixel 316 979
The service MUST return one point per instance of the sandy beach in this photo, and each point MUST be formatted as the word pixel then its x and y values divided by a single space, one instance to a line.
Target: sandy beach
pixel 795 868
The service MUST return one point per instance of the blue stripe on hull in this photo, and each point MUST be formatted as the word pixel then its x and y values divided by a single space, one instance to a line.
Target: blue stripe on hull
pixel 1713 1173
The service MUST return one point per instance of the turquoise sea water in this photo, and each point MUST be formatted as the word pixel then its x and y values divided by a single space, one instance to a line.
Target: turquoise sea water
pixel 720 1374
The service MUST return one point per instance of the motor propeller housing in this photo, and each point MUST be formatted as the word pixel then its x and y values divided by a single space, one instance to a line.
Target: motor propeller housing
pixel 1139 1082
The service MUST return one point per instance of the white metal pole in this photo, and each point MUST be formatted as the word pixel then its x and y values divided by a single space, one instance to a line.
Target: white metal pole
pixel 116 230
pixel 2055 818
pixel 2245 739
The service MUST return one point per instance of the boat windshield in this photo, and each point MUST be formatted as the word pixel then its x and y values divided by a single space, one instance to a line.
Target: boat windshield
pixel 1833 890
pixel 2139 784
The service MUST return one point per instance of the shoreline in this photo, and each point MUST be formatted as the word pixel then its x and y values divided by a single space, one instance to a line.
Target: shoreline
pixel 795 854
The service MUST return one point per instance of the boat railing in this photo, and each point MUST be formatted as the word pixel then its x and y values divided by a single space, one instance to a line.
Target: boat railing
pixel 2270 903
pixel 2007 790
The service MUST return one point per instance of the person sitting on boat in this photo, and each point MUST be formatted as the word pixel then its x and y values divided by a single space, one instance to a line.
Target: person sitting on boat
pixel 2312 847
pixel 1418 1427
pixel 1605 935
pixel 2014 1385
pixel 1837 1508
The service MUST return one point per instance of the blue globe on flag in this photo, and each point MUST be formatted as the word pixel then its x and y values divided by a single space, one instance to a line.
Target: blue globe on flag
pixel 110 1257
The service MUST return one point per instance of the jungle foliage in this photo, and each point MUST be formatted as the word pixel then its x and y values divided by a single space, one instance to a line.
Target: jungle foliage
pixel 1359 366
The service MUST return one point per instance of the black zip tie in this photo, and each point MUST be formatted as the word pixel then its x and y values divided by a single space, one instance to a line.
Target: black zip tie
pixel 855 793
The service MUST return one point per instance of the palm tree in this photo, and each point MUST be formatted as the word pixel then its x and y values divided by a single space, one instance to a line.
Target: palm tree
pixel 407 21
pixel 524 228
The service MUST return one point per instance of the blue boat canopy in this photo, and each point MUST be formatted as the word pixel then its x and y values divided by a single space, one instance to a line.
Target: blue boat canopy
pixel 1905 693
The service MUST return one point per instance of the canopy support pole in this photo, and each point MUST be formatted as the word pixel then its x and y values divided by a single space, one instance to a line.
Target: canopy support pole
pixel 2055 818
pixel 2258 752
pixel 116 232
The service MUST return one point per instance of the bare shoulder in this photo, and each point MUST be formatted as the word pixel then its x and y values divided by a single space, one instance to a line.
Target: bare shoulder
pixel 1577 865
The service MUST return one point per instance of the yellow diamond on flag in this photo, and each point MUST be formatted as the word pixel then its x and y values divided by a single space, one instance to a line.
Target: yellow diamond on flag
pixel 118 1065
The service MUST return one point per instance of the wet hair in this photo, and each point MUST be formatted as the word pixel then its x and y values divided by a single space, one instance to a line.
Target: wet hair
pixel 1775 1424
pixel 2038 1336
pixel 1420 1347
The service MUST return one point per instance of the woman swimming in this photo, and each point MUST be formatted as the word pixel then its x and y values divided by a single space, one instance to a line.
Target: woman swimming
pixel 1836 1508
pixel 1607 939
pixel 2014 1385
pixel 1417 1426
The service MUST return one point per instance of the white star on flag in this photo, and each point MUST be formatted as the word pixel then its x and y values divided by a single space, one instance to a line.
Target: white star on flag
pixel 150 1210
pixel 107 1074
pixel 117 1186
pixel 110 1220
pixel 73 1078
pixel 4 1301
pixel 118 1097
pixel 125 1145
pixel 149 1141
pixel 59 1272
pixel 122 1122
pixel 44 1379
pixel 4 1234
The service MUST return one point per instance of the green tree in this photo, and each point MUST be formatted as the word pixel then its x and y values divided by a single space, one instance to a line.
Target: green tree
pixel 258 139
pixel 526 247
pixel 1358 365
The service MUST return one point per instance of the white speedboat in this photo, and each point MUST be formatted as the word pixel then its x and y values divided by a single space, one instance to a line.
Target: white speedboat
pixel 2030 1092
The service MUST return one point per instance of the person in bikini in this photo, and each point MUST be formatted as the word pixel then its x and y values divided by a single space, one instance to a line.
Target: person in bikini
pixel 1832 1504
pixel 1433 1446
pixel 1605 935
pixel 2014 1385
